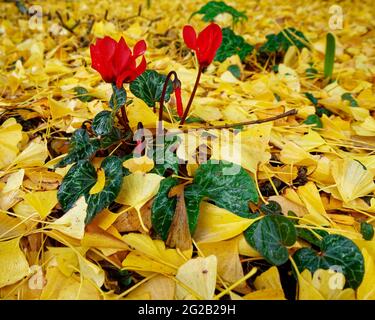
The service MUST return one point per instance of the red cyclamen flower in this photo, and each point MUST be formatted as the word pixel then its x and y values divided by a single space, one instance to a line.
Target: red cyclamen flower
pixel 206 44
pixel 177 92
pixel 115 62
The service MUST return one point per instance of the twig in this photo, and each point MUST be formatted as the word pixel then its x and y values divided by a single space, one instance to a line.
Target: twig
pixel 246 123
pixel 63 24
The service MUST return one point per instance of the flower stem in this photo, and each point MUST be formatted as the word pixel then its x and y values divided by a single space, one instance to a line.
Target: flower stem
pixel 162 98
pixel 125 119
pixel 192 96
pixel 163 93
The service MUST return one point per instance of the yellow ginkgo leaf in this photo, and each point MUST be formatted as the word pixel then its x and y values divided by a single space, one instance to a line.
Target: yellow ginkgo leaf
pixel 14 181
pixel 352 179
pixel 10 136
pixel 306 291
pixel 228 261
pixel 291 153
pixel 33 155
pixel 96 237
pixel 72 223
pixel 60 287
pixel 217 224
pixel 142 164
pixel 310 141
pixel 309 195
pixel 42 201
pixel 100 182
pixel 156 250
pixel 157 288
pixel 197 279
pixel 366 290
pixel 265 294
pixel 269 279
pixel 145 265
pixel 13 263
pixel 138 188
pixel 58 109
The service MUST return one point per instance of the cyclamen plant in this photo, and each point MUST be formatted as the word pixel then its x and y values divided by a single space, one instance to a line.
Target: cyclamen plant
pixel 118 64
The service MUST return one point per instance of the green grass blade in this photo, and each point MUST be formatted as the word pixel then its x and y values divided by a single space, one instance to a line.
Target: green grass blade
pixel 329 56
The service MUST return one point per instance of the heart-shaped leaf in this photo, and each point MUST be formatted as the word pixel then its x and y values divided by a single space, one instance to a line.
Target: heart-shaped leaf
pixel 228 185
pixel 232 44
pixel 112 167
pixel 103 123
pixel 149 86
pixel 337 253
pixel 225 183
pixel 163 208
pixel 118 98
pixel 78 181
pixel 166 158
pixel 81 147
pixel 271 236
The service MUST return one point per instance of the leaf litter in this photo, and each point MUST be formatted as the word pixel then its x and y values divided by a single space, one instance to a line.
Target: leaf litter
pixel 132 228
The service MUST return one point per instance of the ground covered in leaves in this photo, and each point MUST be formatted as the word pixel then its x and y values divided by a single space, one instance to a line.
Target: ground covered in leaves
pixel 295 221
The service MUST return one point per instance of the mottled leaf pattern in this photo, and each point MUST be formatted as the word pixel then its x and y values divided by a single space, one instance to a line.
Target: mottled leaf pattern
pixel 149 86
pixel 81 147
pixel 78 181
pixel 337 253
pixel 103 123
pixel 163 208
pixel 112 167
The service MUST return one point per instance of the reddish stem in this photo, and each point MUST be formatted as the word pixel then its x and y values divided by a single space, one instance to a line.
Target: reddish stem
pixel 125 119
pixel 192 96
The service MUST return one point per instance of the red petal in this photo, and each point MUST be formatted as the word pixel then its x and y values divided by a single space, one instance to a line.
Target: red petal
pixel 107 46
pixel 190 37
pixel 121 56
pixel 209 41
pixel 139 48
pixel 180 109
pixel 141 67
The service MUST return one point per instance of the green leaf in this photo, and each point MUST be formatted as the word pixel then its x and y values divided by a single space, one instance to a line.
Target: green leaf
pixel 272 207
pixel 82 94
pixel 329 58
pixel 193 198
pixel 235 70
pixel 312 99
pixel 348 97
pixel 314 119
pixel 321 110
pixel 77 182
pixel 112 167
pixel 367 231
pixel 336 252
pixel 271 236
pixel 232 44
pixel 213 8
pixel 149 86
pixel 163 208
pixel 21 7
pixel 118 98
pixel 103 123
pixel 227 184
pixel 283 40
pixel 81 147
pixel 110 138
pixel 310 237
pixel 166 158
